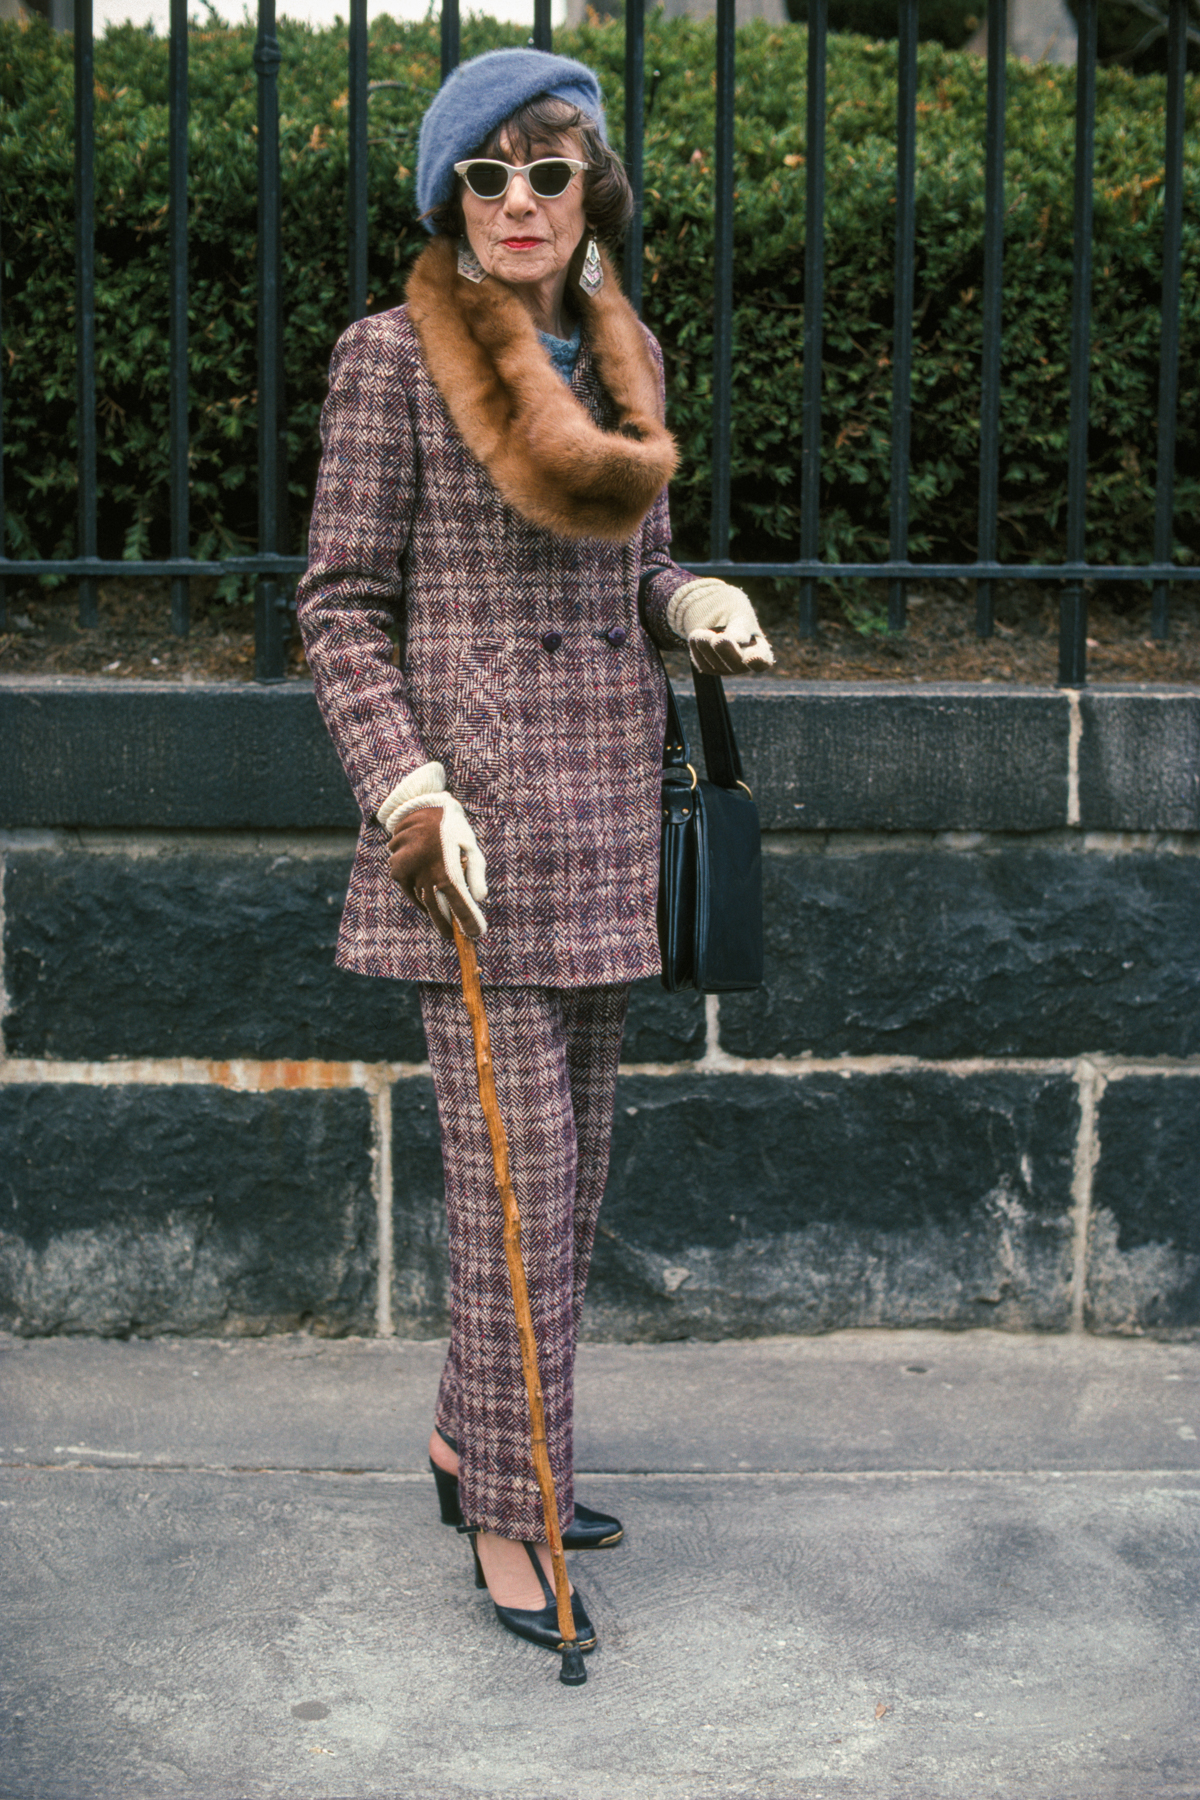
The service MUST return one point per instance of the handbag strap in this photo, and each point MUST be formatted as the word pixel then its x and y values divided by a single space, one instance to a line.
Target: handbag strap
pixel 722 758
pixel 676 750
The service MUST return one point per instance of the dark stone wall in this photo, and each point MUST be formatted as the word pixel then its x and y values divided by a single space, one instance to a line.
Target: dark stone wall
pixel 144 948
pixel 837 756
pixel 848 757
pixel 194 952
pixel 140 1208
pixel 211 756
pixel 1006 949
pixel 739 1204
pixel 1144 1262
pixel 1139 759
pixel 420 1277
pixel 967 1094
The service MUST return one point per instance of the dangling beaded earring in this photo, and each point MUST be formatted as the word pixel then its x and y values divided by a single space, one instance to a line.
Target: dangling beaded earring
pixel 469 265
pixel 591 276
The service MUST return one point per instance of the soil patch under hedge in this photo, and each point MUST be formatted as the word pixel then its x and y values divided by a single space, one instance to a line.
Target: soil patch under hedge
pixel 134 637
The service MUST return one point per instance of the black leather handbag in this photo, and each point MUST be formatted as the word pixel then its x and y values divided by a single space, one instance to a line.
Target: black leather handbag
pixel 710 919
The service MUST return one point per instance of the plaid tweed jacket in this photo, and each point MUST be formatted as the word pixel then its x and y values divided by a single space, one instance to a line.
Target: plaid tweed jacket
pixel 526 665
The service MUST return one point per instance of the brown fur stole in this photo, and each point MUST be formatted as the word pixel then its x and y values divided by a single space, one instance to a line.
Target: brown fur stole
pixel 549 459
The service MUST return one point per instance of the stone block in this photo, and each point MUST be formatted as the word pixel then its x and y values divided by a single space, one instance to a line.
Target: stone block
pixel 1139 759
pixel 420 1279
pixel 191 953
pixel 739 1205
pixel 1003 951
pixel 139 1210
pixel 864 756
pixel 1144 1239
pixel 216 754
pixel 662 1027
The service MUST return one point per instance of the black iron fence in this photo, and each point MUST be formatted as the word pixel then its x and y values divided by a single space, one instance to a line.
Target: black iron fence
pixel 274 572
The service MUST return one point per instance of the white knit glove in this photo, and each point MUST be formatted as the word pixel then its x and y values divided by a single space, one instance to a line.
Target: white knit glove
pixel 718 621
pixel 462 861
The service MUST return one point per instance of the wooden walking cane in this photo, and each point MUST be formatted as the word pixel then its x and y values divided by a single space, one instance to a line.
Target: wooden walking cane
pixel 573 1673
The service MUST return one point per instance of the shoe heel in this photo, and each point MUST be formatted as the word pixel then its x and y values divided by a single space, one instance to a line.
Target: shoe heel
pixel 480 1577
pixel 447 1493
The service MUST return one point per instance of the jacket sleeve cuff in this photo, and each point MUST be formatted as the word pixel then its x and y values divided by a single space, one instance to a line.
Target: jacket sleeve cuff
pixel 658 583
pixel 429 779
pixel 677 605
pixel 708 604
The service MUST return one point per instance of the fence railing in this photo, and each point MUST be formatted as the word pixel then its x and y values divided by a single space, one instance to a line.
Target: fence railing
pixel 273 571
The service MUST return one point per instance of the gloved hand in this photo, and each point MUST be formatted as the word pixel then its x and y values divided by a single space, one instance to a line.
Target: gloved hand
pixel 722 632
pixel 434 856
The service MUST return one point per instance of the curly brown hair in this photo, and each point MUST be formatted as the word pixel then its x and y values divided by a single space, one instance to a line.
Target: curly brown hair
pixel 607 196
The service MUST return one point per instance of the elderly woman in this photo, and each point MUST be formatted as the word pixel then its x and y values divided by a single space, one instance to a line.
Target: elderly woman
pixel 492 493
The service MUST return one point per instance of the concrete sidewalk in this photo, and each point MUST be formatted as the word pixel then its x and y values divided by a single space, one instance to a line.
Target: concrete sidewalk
pixel 869 1565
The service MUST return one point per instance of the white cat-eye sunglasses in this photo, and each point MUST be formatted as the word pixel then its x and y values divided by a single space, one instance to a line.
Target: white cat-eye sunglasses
pixel 548 177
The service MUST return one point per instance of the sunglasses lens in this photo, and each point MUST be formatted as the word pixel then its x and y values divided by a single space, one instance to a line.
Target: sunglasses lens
pixel 487 180
pixel 550 178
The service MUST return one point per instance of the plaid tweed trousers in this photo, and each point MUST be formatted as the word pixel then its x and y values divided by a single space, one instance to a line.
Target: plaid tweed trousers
pixel 556 1052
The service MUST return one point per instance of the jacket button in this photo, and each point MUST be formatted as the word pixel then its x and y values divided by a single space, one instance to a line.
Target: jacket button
pixel 551 640
pixel 616 636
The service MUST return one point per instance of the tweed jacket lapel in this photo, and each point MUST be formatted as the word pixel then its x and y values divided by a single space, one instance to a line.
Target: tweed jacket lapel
pixel 544 452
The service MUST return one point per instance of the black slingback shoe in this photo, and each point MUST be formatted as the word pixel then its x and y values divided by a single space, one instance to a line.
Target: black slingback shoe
pixel 588 1530
pixel 447 1493
pixel 539 1627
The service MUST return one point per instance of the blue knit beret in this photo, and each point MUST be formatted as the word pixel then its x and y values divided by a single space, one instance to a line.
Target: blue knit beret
pixel 478 96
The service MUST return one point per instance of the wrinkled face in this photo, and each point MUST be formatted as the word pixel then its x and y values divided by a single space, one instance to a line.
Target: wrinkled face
pixel 520 237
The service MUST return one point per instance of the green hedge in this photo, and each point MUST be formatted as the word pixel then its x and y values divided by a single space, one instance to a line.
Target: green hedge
pixel 131 114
